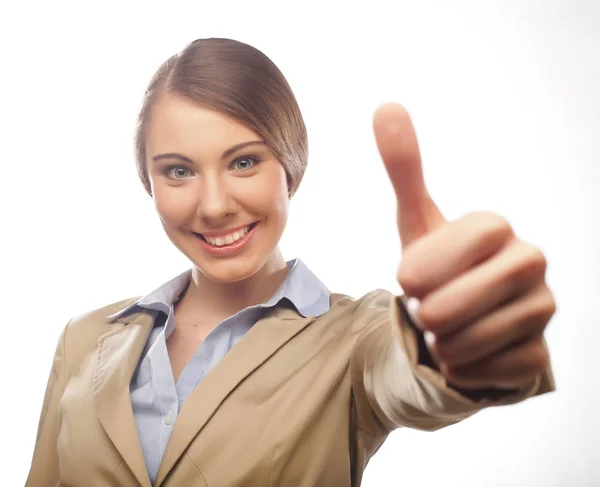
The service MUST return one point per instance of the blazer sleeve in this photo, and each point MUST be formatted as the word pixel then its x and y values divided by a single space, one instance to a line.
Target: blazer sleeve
pixel 391 388
pixel 44 471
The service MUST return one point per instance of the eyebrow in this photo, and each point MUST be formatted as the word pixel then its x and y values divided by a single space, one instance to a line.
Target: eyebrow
pixel 226 154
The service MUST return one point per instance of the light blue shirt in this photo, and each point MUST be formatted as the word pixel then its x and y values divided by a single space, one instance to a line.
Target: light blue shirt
pixel 155 397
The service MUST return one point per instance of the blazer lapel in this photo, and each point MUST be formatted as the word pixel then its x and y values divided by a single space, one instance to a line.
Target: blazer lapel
pixel 117 357
pixel 267 336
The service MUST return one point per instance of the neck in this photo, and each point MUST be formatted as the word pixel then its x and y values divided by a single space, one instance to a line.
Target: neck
pixel 225 299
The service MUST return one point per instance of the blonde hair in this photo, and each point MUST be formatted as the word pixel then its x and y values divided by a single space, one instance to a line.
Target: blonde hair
pixel 238 80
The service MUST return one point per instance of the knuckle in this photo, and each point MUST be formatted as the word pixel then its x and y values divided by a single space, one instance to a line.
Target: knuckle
pixel 492 226
pixel 539 312
pixel 408 278
pixel 546 305
pixel 529 263
pixel 551 306
pixel 499 225
pixel 534 258
pixel 434 317
pixel 537 358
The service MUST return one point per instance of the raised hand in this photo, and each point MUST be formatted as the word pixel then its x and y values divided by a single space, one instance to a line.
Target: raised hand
pixel 484 301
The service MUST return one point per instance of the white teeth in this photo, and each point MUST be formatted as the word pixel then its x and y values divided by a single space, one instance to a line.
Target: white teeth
pixel 228 239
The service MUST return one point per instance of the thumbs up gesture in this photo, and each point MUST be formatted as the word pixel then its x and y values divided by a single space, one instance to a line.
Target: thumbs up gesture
pixel 484 302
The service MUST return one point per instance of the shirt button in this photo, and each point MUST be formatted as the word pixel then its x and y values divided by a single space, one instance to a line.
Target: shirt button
pixel 169 418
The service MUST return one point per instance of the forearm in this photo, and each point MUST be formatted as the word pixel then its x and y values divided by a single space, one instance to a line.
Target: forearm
pixel 400 385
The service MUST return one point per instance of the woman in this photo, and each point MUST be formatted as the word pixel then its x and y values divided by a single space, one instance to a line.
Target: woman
pixel 246 370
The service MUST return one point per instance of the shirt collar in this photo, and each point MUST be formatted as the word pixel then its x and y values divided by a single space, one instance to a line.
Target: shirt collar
pixel 301 287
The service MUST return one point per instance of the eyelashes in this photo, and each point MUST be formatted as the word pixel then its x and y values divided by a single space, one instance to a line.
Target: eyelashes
pixel 166 171
pixel 254 160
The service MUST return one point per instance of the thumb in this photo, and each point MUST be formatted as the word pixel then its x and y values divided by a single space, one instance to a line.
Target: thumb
pixel 397 143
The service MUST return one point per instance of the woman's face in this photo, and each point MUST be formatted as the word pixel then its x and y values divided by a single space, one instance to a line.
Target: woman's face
pixel 223 205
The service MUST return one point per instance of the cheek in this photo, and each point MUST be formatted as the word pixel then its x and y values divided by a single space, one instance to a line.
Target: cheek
pixel 173 207
pixel 275 203
pixel 278 198
pixel 280 205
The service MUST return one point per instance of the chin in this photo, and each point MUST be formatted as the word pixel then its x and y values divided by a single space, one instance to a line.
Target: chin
pixel 228 270
pixel 224 269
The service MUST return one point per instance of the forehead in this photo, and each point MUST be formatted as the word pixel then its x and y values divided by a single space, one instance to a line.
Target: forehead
pixel 179 124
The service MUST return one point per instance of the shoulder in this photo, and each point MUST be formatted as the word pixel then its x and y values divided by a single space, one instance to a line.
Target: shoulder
pixel 364 310
pixel 102 314
pixel 83 330
pixel 379 299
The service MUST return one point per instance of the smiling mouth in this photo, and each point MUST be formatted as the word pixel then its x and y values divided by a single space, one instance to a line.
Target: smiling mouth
pixel 228 239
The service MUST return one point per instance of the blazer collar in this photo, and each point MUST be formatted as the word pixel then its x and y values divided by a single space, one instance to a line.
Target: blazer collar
pixel 119 352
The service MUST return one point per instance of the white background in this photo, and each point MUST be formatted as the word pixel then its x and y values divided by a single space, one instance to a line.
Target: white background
pixel 505 96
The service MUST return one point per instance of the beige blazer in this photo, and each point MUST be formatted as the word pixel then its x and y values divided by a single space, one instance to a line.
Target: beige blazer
pixel 297 402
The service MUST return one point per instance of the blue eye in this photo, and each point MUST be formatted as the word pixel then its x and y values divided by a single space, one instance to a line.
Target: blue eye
pixel 175 172
pixel 245 162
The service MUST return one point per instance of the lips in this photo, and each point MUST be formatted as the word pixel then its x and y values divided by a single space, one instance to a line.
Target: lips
pixel 227 233
pixel 225 249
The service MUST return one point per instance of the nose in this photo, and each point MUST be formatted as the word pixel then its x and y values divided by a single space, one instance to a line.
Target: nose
pixel 215 202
